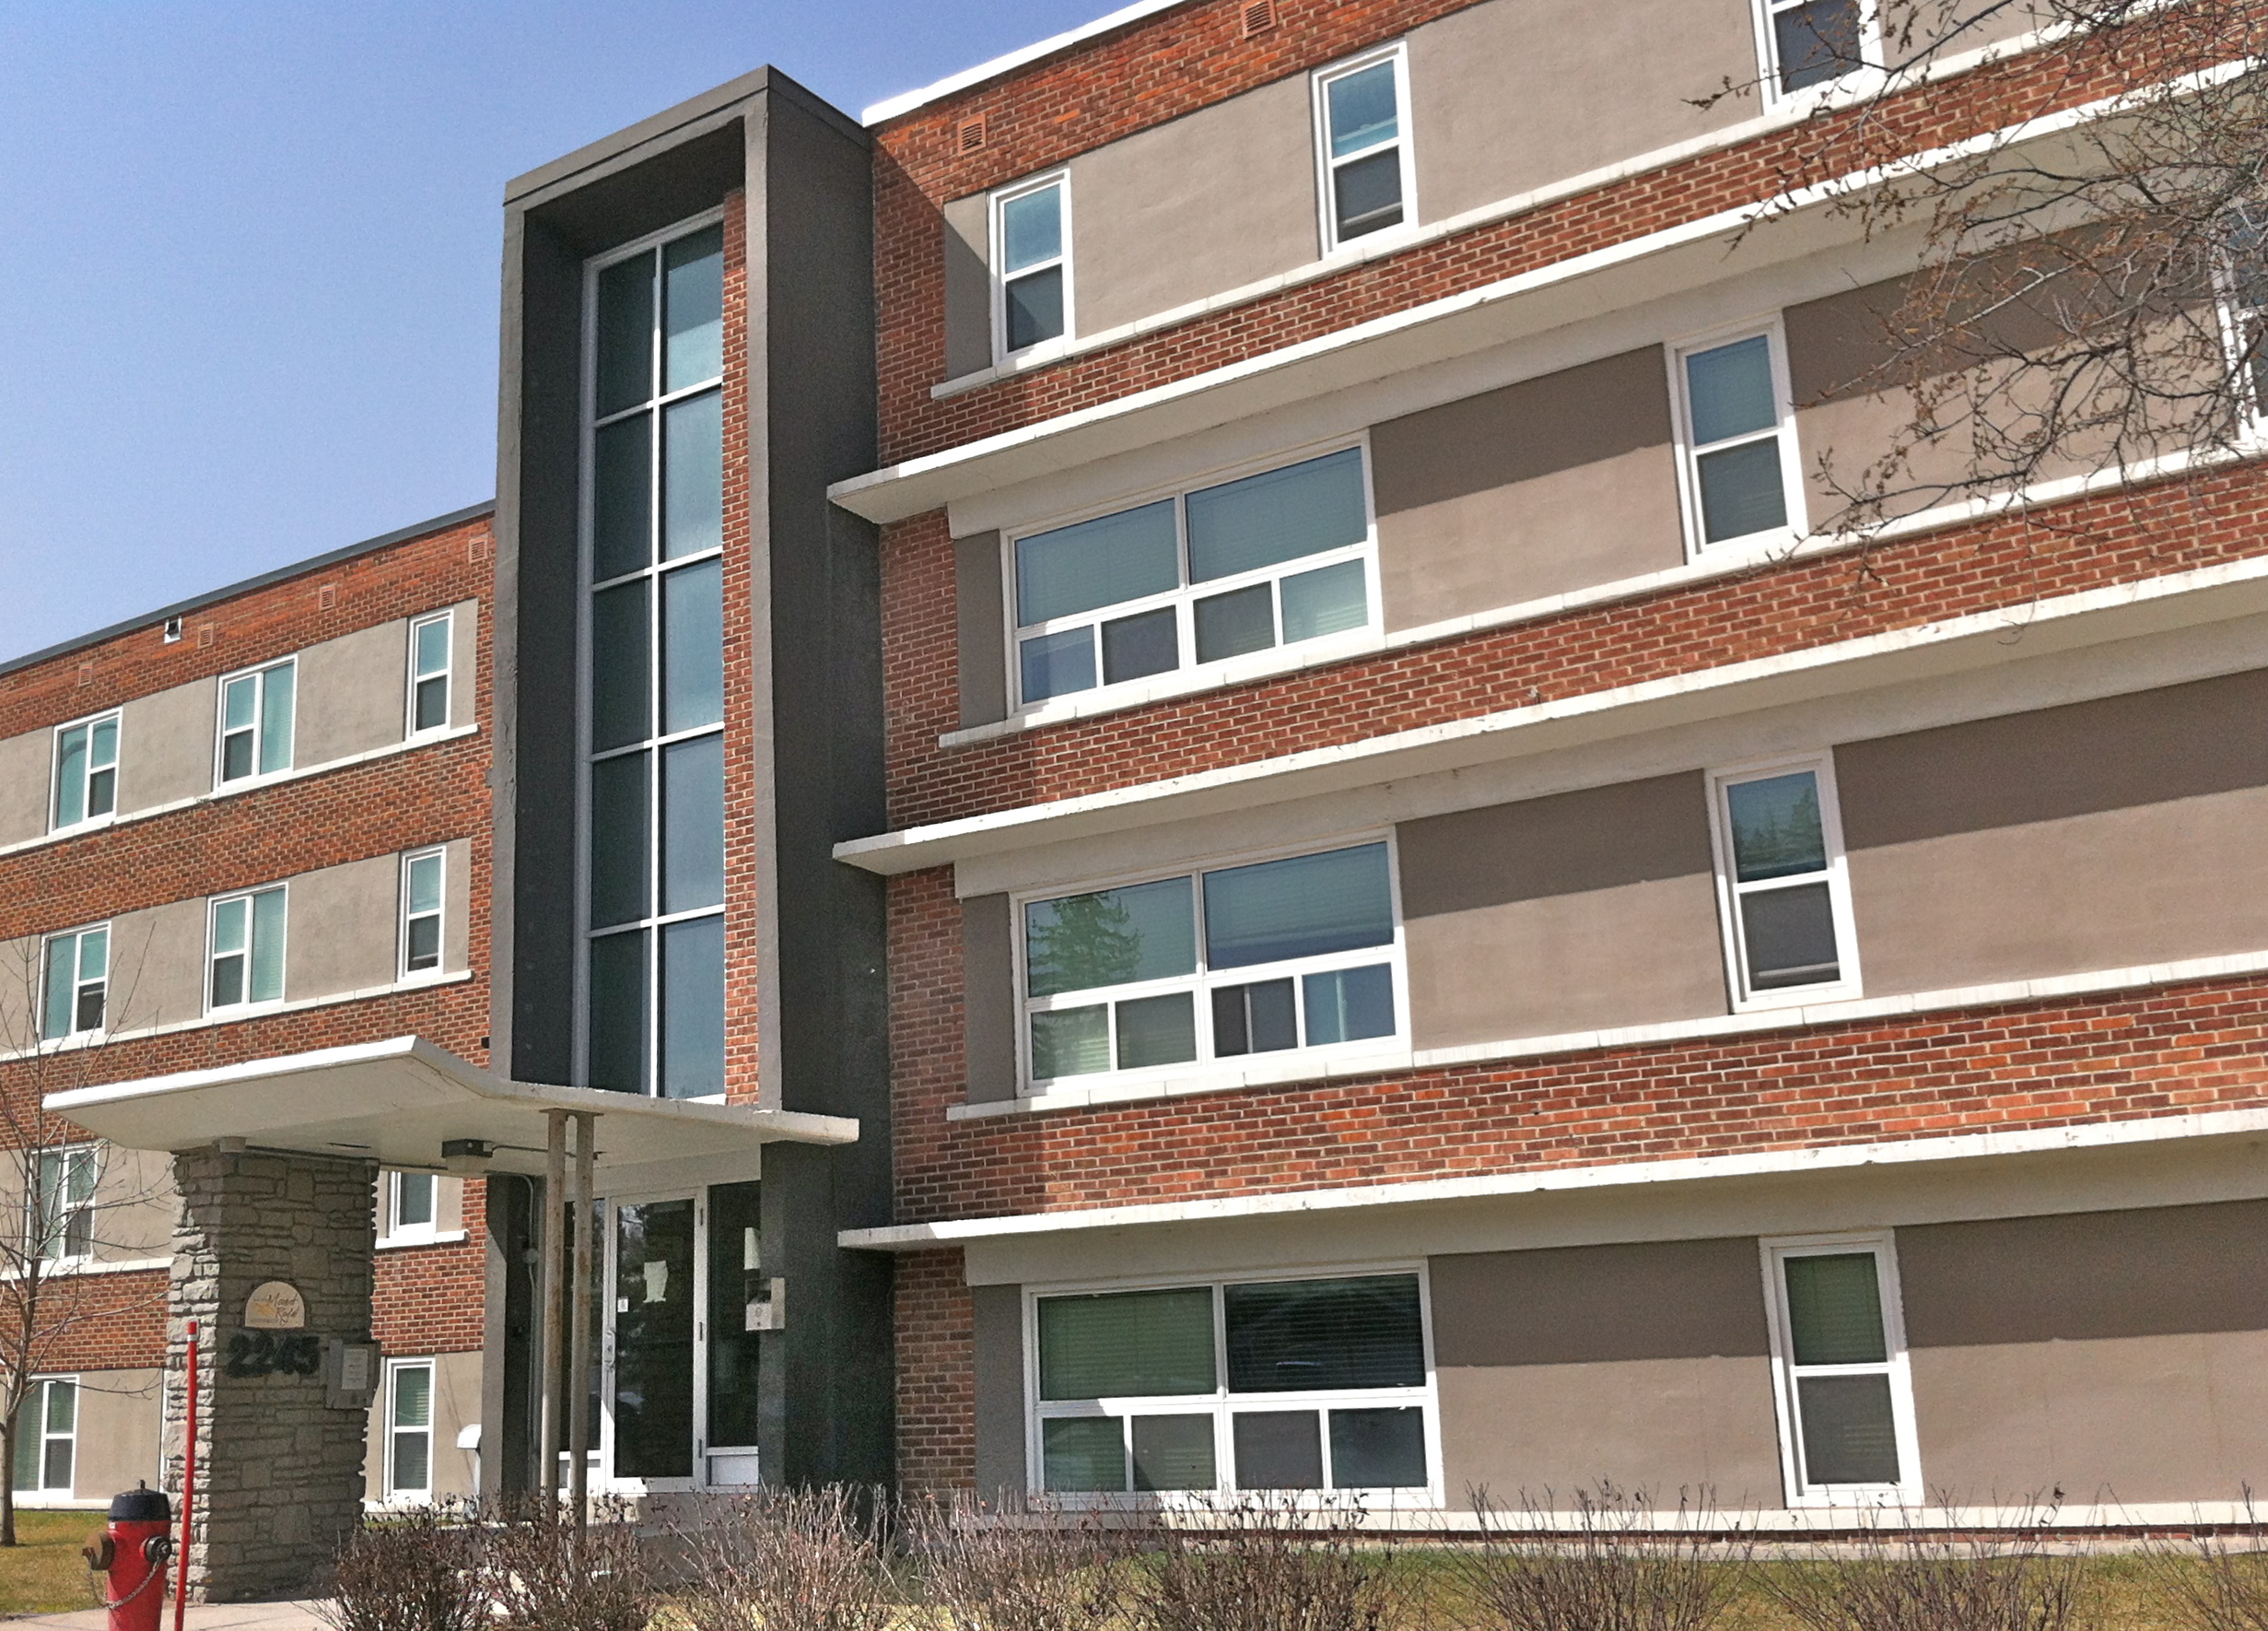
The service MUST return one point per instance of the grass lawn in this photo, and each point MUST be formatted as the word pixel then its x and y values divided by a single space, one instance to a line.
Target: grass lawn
pixel 44 1574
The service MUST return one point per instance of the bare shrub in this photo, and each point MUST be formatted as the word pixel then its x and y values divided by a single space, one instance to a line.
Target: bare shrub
pixel 1622 1566
pixel 408 1571
pixel 792 1560
pixel 1037 1571
pixel 1925 1579
pixel 539 1574
pixel 2216 1580
pixel 1261 1563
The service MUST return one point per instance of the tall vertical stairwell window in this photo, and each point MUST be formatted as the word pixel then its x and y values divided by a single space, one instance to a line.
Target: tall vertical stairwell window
pixel 653 885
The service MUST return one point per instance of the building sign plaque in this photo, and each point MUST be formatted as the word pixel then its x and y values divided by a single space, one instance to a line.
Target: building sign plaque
pixel 276 1306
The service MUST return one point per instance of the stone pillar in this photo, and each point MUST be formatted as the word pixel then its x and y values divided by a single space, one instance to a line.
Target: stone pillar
pixel 279 1471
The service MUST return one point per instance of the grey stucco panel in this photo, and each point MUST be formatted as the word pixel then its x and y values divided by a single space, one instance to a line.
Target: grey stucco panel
pixel 965 231
pixel 353 694
pixel 980 610
pixel 989 997
pixel 465 662
pixel 157 964
pixel 342 934
pixel 457 904
pixel 165 746
pixel 25 772
pixel 998 1357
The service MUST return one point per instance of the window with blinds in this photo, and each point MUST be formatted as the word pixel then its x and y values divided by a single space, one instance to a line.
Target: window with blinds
pixel 1846 1403
pixel 1786 897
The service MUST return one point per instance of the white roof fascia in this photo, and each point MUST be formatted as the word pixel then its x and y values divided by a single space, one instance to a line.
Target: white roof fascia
pixel 2095 617
pixel 906 102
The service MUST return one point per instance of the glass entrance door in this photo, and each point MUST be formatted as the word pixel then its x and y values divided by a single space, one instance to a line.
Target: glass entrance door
pixel 654 1339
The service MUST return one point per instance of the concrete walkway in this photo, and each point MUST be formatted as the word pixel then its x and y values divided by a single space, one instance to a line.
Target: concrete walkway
pixel 207 1616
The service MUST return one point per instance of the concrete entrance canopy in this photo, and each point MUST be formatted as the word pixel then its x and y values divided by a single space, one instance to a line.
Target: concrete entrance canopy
pixel 396 1102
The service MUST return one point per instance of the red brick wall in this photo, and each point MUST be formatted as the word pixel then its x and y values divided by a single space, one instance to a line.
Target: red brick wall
pixel 429 1298
pixel 101 1323
pixel 936 1374
pixel 744 1044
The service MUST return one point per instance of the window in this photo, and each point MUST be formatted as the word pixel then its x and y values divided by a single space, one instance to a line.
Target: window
pixel 2244 305
pixel 86 770
pixel 1364 147
pixel 1781 885
pixel 1809 42
pixel 412 1207
pixel 1740 462
pixel 1839 1350
pixel 63 1203
pixel 421 912
pixel 255 722
pixel 77 979
pixel 1266 561
pixel 1269 1385
pixel 1260 958
pixel 47 1437
pixel 653 828
pixel 409 1429
pixel 247 949
pixel 1031 239
pixel 429 654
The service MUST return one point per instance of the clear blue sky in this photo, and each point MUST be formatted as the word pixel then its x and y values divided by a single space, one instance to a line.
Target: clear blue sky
pixel 248 251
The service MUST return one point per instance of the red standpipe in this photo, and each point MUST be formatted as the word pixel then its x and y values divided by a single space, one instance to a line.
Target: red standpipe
pixel 189 1487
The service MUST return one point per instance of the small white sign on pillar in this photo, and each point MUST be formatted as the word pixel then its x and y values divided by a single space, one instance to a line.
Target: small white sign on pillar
pixel 276 1305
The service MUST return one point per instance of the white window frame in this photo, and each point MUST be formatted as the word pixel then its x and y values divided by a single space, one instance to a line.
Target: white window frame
pixel 439 855
pixel 1326 209
pixel 211 919
pixel 1868 76
pixel 55 802
pixel 1909 1490
pixel 38 1401
pixel 447 675
pixel 1848 982
pixel 1798 525
pixel 998 265
pixel 78 984
pixel 1184 597
pixel 258 672
pixel 394 1492
pixel 71 1157
pixel 397 1233
pixel 1306 1060
pixel 1221 1403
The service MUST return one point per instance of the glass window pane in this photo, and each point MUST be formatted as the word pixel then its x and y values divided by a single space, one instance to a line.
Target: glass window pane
pixel 1133 647
pixel 1157 1030
pixel 1299 907
pixel 425 890
pixel 1740 491
pixel 1378 1449
pixel 1835 1309
pixel 1097 563
pixel 267 979
pixel 1361 109
pixel 413 1203
pixel 1085 1455
pixel 1031 229
pixel 1790 935
pixel 79 1177
pixel 1367 193
pixel 621 498
pixel 235 756
pixel 105 749
pixel 1850 1435
pixel 424 948
pixel 276 688
pixel 1232 624
pixel 239 698
pixel 1730 390
pixel 1776 827
pixel 693 1008
pixel 735 1280
pixel 227 980
pixel 56 1466
pixel 230 919
pixel 625 332
pixel 433 646
pixel 1278 1450
pixel 432 708
pixel 1347 1004
pixel 692 647
pixel 412 1470
pixel 1111 937
pixel 693 304
pixel 1817 43
pixel 1071 1042
pixel 1173 1453
pixel 1057 665
pixel 1261 1018
pixel 62 989
pixel 693 475
pixel 28 1448
pixel 1127 1344
pixel 618 667
pixel 617 1033
pixel 70 778
pixel 1325 600
pixel 618 870
pixel 1303 1334
pixel 1034 304
pixel 692 825
pixel 1257 521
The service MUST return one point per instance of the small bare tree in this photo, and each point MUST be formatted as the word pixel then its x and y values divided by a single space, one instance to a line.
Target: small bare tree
pixel 65 1200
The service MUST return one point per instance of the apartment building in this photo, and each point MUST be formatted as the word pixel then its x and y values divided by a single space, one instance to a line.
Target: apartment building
pixel 253 823
pixel 1445 935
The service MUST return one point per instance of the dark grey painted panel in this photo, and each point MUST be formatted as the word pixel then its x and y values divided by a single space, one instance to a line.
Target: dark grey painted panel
pixel 966 225
pixel 2153 1271
pixel 989 997
pixel 1579 1304
pixel 999 1359
pixel 1571 843
pixel 984 633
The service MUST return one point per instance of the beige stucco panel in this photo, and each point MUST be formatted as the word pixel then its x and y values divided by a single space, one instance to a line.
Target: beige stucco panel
pixel 165 746
pixel 341 930
pixel 136 1205
pixel 20 986
pixel 26 771
pixel 1508 96
pixel 119 1427
pixel 352 694
pixel 457 904
pixel 463 662
pixel 157 965
pixel 966 231
pixel 456 1405
pixel 1209 202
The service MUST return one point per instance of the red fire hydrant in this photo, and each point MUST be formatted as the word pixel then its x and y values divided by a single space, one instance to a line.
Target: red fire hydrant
pixel 133 1551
